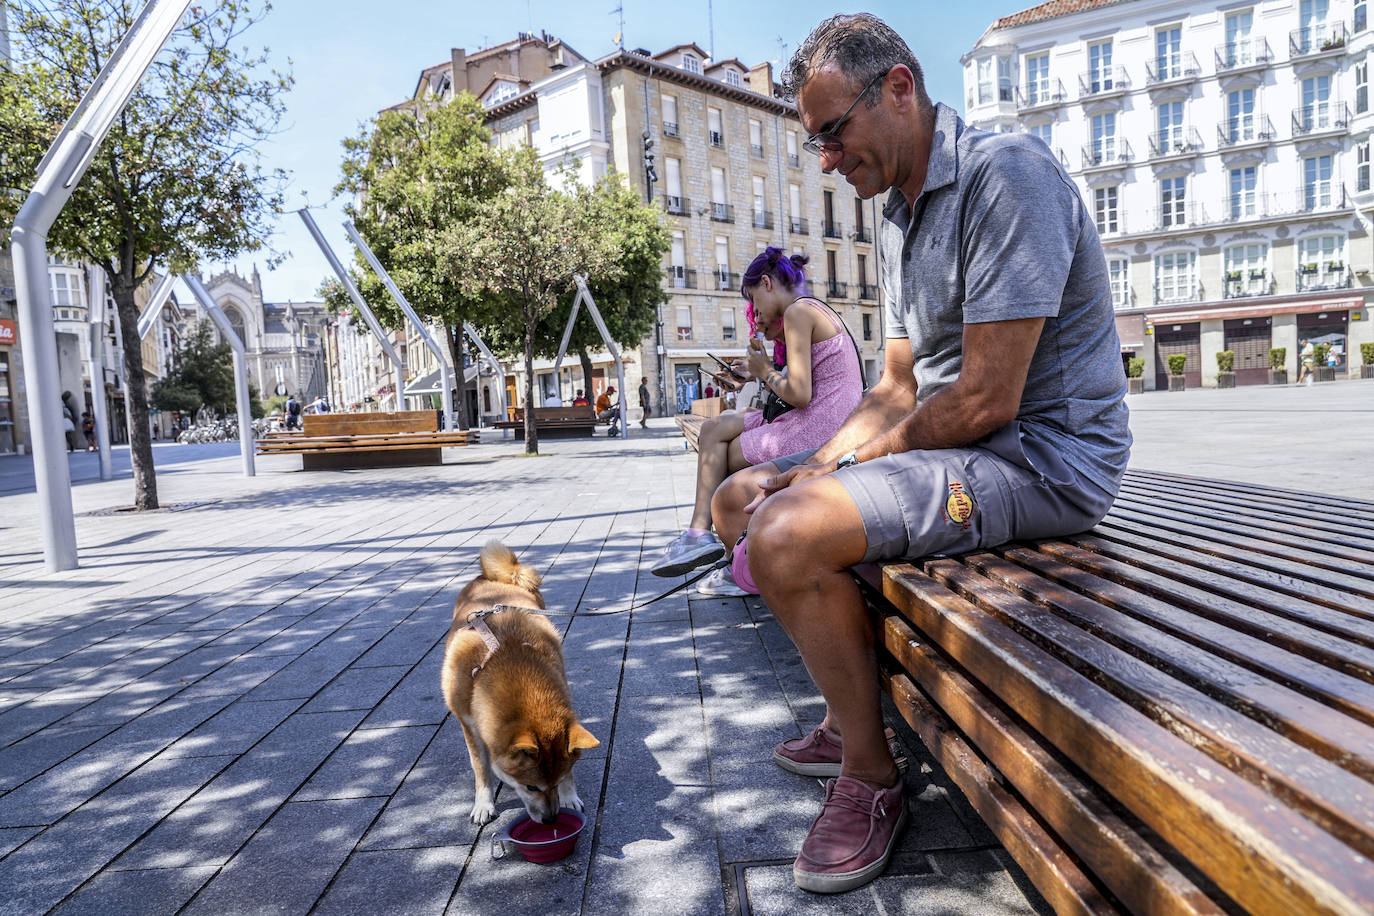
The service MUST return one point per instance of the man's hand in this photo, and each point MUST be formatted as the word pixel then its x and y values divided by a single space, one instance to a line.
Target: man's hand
pixel 799 474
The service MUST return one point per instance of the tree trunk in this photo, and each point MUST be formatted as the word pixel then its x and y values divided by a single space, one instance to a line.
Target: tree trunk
pixel 531 431
pixel 455 353
pixel 585 359
pixel 135 395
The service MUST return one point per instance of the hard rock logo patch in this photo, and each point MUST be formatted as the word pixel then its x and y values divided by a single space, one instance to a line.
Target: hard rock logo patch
pixel 959 506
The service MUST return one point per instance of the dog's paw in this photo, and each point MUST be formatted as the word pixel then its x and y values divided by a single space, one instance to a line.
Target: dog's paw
pixel 483 810
pixel 568 797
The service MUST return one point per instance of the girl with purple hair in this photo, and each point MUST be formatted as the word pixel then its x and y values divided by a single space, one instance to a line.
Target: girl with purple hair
pixel 814 367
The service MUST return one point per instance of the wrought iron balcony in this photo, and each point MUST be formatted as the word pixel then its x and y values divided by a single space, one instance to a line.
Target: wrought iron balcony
pixel 1104 82
pixel 868 291
pixel 722 213
pixel 1242 284
pixel 864 235
pixel 1243 54
pixel 1243 130
pixel 723 278
pixel 670 129
pixel 717 139
pixel 1172 67
pixel 799 226
pixel 1106 154
pixel 1040 94
pixel 1182 141
pixel 1184 292
pixel 1176 216
pixel 831 230
pixel 1320 118
pixel 1327 38
pixel 834 289
pixel 680 277
pixel 678 206
pixel 763 219
pixel 1326 197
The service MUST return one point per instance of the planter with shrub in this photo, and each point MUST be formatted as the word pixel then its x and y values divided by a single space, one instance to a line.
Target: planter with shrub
pixel 1367 358
pixel 1135 371
pixel 1226 369
pixel 1177 363
pixel 1324 372
pixel 1278 375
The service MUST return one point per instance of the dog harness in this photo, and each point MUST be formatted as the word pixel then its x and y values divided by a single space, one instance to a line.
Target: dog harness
pixel 477 623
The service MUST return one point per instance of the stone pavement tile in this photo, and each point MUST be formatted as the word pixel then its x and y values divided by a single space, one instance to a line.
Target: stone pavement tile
pixel 50 866
pixel 659 743
pixel 656 850
pixel 234 729
pixel 431 805
pixel 238 676
pixel 763 811
pixel 317 666
pixel 371 762
pixel 212 825
pixel 408 641
pixel 286 866
pixel 417 882
pixel 11 670
pixel 302 633
pixel 512 885
pixel 44 799
pixel 12 838
pixel 30 756
pixel 661 658
pixel 357 688
pixel 416 700
pixel 150 892
pixel 40 712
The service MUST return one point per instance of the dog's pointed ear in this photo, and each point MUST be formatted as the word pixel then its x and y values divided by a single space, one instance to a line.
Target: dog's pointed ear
pixel 579 739
pixel 524 743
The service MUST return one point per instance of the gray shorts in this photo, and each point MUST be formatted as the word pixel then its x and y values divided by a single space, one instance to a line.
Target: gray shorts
pixel 947 501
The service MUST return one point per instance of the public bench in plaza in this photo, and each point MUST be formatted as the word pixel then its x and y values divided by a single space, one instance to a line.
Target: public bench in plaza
pixel 1171 713
pixel 553 422
pixel 339 441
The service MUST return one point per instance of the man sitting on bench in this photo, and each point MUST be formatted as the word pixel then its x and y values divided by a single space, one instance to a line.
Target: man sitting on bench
pixel 1000 414
pixel 606 413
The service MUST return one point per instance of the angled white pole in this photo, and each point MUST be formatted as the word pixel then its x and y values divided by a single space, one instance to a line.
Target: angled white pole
pixel 161 293
pixel 497 372
pixel 226 330
pixel 567 336
pixel 62 167
pixel 445 370
pixel 357 297
pixel 585 295
pixel 96 338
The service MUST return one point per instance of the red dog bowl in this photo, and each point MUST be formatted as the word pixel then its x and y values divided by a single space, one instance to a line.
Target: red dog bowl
pixel 538 842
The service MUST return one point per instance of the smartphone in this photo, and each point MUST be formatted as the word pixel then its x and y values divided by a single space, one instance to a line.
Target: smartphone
pixel 726 366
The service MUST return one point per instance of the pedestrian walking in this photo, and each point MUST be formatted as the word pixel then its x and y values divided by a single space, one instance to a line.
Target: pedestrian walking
pixel 644 403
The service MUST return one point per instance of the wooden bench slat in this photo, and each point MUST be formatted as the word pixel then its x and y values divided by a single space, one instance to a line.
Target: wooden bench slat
pixel 1106 538
pixel 1266 856
pixel 1051 869
pixel 1279 564
pixel 1318 644
pixel 1337 738
pixel 1311 512
pixel 1326 532
pixel 1362 508
pixel 1132 870
pixel 1291 547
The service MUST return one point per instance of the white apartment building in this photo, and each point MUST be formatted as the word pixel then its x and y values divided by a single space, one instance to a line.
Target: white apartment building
pixel 1224 155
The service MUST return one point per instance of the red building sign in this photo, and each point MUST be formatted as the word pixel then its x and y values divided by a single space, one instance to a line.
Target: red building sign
pixel 6 332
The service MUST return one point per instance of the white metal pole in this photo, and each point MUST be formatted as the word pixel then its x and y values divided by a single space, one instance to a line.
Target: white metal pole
pixel 498 373
pixel 585 295
pixel 226 330
pixel 59 171
pixel 446 373
pixel 357 298
pixel 96 335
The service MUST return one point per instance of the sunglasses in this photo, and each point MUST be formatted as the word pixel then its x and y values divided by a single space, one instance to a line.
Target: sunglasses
pixel 828 141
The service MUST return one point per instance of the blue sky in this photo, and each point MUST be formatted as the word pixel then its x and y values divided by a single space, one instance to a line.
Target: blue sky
pixel 348 65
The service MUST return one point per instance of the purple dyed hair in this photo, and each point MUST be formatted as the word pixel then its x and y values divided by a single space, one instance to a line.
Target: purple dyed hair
pixel 789 272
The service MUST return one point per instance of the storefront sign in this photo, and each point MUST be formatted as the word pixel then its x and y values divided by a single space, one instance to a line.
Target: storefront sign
pixel 6 332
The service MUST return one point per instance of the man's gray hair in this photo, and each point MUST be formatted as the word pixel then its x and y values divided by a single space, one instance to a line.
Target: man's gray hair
pixel 862 46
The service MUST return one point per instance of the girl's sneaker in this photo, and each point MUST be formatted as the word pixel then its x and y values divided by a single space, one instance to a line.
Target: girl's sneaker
pixel 687 552
pixel 720 584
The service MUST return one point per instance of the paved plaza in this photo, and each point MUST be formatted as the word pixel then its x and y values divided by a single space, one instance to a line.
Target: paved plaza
pixel 232 706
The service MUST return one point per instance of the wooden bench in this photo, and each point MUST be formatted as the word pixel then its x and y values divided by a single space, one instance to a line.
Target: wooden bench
pixel 337 441
pixel 553 422
pixel 1173 713
pixel 690 424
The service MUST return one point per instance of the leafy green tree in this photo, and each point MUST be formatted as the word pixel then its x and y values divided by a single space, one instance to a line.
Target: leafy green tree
pixel 202 376
pixel 523 248
pixel 414 174
pixel 177 182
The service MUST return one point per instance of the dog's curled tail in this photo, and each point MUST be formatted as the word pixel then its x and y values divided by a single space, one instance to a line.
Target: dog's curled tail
pixel 499 564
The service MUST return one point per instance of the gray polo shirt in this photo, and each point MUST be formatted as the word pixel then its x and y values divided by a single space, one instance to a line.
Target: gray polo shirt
pixel 1000 232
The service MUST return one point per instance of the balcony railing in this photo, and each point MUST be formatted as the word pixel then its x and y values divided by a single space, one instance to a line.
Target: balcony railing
pixel 834 289
pixel 722 213
pixel 717 139
pixel 1319 118
pixel 763 219
pixel 1244 53
pixel 1180 142
pixel 670 129
pixel 678 206
pixel 1172 67
pixel 1180 292
pixel 799 226
pixel 1176 216
pixel 1246 206
pixel 1106 154
pixel 1242 284
pixel 794 160
pixel 1243 130
pixel 1309 278
pixel 756 149
pixel 723 278
pixel 864 235
pixel 868 291
pixel 1040 93
pixel 1327 38
pixel 831 230
pixel 680 277
pixel 1098 83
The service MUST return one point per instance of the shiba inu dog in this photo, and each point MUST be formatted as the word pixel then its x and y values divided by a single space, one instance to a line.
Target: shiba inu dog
pixel 513 701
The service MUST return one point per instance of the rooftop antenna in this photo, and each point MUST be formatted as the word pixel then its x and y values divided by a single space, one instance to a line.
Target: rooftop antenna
pixel 710 31
pixel 782 53
pixel 620 35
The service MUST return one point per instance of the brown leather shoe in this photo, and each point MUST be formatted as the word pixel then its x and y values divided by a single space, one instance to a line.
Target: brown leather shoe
pixel 850 843
pixel 818 754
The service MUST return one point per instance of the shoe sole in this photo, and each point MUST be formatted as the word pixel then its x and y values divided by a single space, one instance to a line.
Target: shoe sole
pixel 847 881
pixel 687 564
